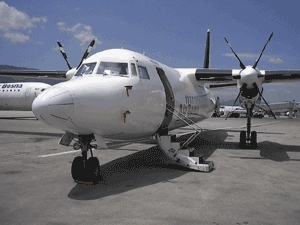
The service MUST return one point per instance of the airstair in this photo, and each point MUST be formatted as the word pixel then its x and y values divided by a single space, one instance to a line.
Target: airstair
pixel 179 152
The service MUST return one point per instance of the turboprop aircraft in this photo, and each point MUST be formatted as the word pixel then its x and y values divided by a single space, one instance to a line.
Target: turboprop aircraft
pixel 19 96
pixel 124 95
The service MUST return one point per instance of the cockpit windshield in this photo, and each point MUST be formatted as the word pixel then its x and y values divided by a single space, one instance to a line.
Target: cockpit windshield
pixel 113 69
pixel 86 69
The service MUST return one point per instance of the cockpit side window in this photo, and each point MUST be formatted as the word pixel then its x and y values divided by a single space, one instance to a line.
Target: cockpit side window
pixel 133 69
pixel 113 68
pixel 86 69
pixel 143 72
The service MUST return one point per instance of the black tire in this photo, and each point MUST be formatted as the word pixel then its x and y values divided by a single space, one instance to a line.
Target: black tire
pixel 93 170
pixel 242 139
pixel 253 139
pixel 77 168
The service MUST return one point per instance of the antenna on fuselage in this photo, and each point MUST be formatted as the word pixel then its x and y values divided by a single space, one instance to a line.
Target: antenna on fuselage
pixel 207 50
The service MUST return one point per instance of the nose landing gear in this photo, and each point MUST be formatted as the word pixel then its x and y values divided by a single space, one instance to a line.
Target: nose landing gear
pixel 248 136
pixel 86 170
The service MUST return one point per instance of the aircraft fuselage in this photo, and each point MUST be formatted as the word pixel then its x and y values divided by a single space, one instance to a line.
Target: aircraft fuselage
pixel 123 105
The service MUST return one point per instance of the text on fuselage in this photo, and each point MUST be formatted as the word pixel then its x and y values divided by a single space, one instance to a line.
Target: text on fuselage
pixel 12 86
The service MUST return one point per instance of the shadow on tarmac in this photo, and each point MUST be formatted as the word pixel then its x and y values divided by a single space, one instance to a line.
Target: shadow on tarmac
pixel 207 143
pixel 143 168
pixel 137 170
pixel 274 151
pixel 151 166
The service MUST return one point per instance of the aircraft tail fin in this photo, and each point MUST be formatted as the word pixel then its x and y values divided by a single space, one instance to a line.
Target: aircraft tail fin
pixel 207 49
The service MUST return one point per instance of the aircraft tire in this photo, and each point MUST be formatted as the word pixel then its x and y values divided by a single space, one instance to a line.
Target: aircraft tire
pixel 77 168
pixel 253 139
pixel 242 139
pixel 93 169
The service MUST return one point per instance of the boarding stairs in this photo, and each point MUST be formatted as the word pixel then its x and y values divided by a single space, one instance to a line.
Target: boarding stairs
pixel 179 152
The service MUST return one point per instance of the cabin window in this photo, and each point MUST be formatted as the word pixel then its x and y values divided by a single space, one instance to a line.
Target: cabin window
pixel 86 69
pixel 143 72
pixel 133 69
pixel 113 69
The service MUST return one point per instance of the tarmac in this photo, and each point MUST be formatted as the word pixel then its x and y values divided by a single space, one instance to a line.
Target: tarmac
pixel 140 185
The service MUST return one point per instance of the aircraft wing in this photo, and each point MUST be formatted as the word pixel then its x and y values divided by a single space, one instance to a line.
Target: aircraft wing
pixel 214 75
pixel 216 78
pixel 220 78
pixel 272 76
pixel 33 74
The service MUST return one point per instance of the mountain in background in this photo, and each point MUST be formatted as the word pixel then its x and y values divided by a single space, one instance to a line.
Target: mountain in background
pixel 9 67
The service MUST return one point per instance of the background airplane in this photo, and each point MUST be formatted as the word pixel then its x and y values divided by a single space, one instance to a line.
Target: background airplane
pixel 19 96
pixel 289 108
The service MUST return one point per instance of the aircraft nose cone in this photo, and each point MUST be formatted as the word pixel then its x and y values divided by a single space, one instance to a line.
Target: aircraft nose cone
pixel 54 106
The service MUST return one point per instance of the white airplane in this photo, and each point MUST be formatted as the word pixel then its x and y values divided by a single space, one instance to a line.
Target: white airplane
pixel 232 111
pixel 288 108
pixel 20 95
pixel 123 95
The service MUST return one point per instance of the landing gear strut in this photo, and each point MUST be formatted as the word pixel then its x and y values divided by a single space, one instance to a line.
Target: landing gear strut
pixel 248 137
pixel 86 170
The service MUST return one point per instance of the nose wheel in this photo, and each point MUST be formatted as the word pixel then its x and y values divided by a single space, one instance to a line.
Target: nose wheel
pixel 248 138
pixel 251 141
pixel 86 170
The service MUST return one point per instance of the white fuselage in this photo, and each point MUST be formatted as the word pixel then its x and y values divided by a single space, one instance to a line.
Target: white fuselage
pixel 129 105
pixel 19 96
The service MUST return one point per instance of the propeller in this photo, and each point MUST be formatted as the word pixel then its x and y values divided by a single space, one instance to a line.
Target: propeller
pixel 85 55
pixel 243 88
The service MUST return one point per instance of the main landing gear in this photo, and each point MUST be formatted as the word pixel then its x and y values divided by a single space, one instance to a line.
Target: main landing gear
pixel 86 170
pixel 248 138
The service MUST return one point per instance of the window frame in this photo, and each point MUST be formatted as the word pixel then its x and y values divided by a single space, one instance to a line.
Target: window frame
pixel 143 72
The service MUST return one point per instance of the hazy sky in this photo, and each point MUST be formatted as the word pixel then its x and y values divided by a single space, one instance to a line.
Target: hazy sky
pixel 172 32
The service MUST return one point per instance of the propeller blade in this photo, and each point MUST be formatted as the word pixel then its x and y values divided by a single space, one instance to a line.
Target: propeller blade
pixel 241 64
pixel 61 49
pixel 235 101
pixel 207 49
pixel 87 52
pixel 260 94
pixel 268 106
pixel 256 62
